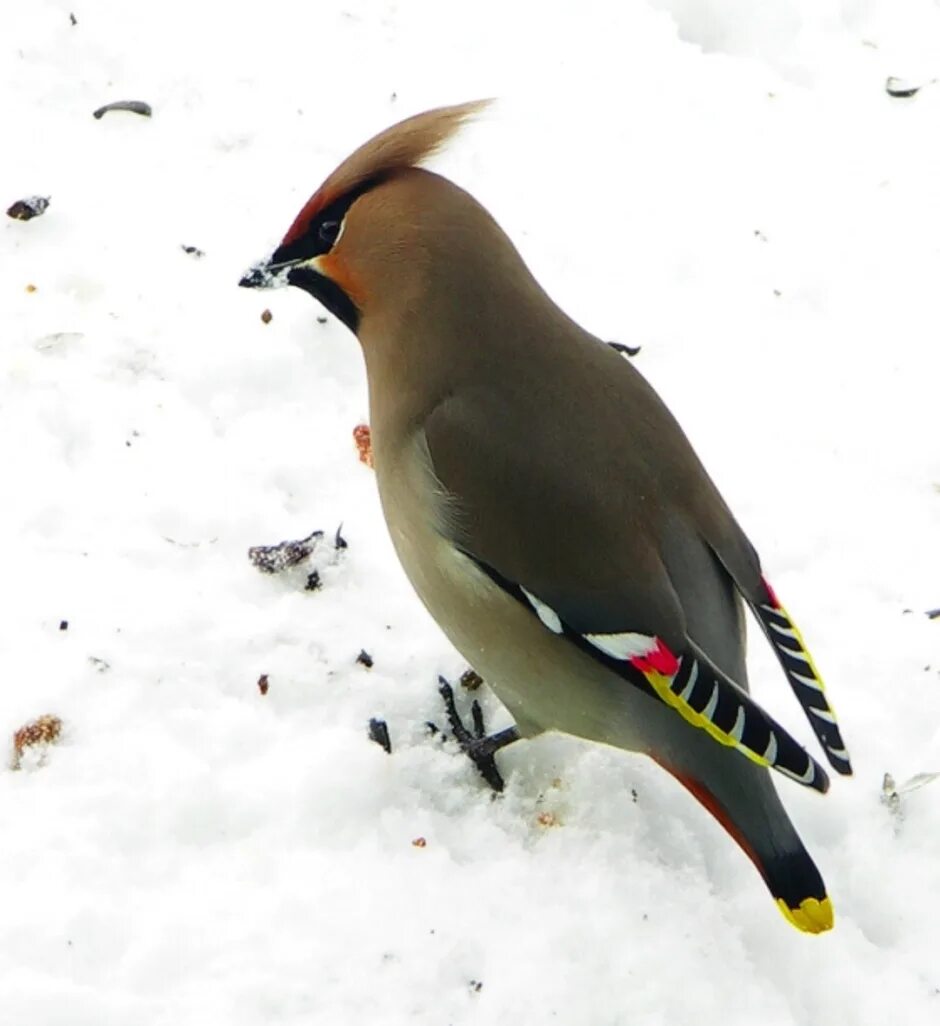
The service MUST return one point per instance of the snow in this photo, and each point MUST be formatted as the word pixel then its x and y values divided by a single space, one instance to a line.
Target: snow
pixel 728 185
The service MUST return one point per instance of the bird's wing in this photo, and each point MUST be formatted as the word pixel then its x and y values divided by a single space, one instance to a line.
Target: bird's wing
pixel 552 537
pixel 733 551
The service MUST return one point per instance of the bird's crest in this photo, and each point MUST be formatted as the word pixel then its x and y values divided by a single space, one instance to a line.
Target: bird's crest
pixel 405 144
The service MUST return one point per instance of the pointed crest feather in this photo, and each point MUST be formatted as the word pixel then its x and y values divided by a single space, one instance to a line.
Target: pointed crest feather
pixel 405 144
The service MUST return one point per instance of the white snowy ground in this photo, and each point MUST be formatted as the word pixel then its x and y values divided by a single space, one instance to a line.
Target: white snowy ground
pixel 758 214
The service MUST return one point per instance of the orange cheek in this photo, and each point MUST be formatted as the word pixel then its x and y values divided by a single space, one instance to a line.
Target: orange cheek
pixel 335 268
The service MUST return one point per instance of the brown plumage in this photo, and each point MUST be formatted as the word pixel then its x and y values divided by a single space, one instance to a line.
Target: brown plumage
pixel 547 507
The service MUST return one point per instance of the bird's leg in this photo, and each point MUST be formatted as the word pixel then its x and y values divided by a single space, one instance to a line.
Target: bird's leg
pixel 476 744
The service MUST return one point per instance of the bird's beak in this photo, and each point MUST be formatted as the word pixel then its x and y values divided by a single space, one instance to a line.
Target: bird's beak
pixel 310 273
pixel 268 275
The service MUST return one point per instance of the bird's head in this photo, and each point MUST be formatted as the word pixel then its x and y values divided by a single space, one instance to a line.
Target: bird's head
pixel 363 240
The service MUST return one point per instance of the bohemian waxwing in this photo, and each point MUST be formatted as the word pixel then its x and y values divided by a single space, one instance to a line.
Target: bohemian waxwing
pixel 546 506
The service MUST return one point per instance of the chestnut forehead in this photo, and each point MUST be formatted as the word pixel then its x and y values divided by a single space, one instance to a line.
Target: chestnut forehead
pixel 318 202
pixel 327 204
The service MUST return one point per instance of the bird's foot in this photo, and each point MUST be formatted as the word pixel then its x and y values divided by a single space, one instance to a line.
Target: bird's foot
pixel 478 746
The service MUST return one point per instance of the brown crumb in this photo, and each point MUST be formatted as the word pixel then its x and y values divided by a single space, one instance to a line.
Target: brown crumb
pixel 266 316
pixel 263 683
pixel 41 732
pixel 470 680
pixel 420 842
pixel 548 819
pixel 362 436
pixel 30 288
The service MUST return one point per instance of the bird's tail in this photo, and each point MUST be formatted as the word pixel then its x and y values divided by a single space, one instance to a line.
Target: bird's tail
pixel 746 805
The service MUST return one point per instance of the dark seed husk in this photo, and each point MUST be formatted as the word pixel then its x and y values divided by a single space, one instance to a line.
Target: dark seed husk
pixel 134 106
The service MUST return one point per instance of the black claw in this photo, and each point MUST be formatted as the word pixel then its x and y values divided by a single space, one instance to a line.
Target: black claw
pixel 477 713
pixel 480 748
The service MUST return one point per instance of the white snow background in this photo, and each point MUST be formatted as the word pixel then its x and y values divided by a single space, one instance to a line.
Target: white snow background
pixel 727 184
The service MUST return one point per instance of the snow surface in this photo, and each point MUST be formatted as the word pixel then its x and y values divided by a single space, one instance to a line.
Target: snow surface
pixel 727 184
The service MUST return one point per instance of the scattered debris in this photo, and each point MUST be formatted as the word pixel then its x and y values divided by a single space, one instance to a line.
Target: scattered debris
pixel 263 683
pixel 364 659
pixel 622 347
pixel 362 436
pixel 548 819
pixel 266 316
pixel 891 792
pixel 101 665
pixel 273 559
pixel 63 625
pixel 27 209
pixel 470 680
pixel 420 842
pixel 302 561
pixel 30 288
pixel 758 234
pixel 133 106
pixel 193 251
pixel 72 19
pixel 933 614
pixel 378 732
pixel 901 89
pixel 321 319
pixel 476 986
pixel 39 734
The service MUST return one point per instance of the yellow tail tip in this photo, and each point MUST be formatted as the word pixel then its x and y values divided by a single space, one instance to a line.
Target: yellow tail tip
pixel 813 916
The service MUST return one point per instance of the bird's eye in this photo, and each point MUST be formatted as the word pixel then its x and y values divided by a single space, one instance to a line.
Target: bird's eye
pixel 329 231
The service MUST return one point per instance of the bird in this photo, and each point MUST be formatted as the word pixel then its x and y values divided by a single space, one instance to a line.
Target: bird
pixel 546 506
